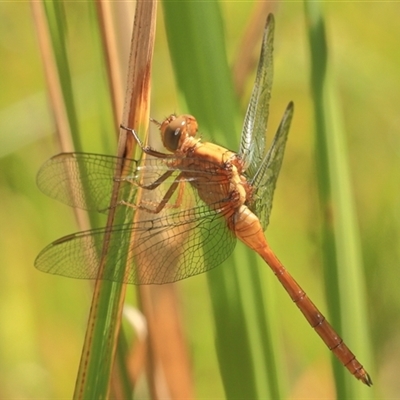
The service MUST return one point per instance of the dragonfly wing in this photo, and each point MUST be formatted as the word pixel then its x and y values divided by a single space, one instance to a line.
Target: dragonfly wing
pixel 86 181
pixel 190 243
pixel 156 250
pixel 264 180
pixel 252 143
pixel 81 180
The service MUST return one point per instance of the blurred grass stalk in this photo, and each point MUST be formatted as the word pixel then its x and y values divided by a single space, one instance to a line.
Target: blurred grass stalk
pixel 343 268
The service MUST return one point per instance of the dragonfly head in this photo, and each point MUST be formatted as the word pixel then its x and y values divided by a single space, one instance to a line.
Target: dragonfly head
pixel 176 129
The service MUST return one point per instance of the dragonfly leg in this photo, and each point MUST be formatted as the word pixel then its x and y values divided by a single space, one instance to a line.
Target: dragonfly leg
pixel 147 149
pixel 143 205
pixel 150 186
pixel 158 182
pixel 128 179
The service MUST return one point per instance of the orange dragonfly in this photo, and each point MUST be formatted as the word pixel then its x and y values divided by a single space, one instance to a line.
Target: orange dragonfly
pixel 193 204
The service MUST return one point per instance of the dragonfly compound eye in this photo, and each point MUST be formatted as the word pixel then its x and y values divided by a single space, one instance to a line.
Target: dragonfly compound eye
pixel 177 129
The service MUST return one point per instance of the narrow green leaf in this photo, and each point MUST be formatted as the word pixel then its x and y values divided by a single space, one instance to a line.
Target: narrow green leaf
pixel 343 269
pixel 57 27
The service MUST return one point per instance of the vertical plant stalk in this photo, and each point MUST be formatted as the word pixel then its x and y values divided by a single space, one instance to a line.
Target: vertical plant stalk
pixel 343 269
pixel 55 92
pixel 52 77
pixel 121 383
pixel 168 365
pixel 112 59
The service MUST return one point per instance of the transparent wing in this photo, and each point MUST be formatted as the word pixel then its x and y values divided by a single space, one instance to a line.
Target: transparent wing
pixel 252 143
pixel 81 180
pixel 166 247
pixel 264 180
pixel 85 180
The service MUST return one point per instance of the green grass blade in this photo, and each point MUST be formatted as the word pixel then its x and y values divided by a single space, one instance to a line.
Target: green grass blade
pixel 201 71
pixel 246 353
pixel 99 348
pixel 343 269
pixel 58 32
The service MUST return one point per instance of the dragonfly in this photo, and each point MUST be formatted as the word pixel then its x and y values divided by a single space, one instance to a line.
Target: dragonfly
pixel 186 208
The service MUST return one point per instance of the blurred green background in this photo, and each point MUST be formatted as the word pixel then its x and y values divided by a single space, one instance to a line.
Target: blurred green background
pixel 43 317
